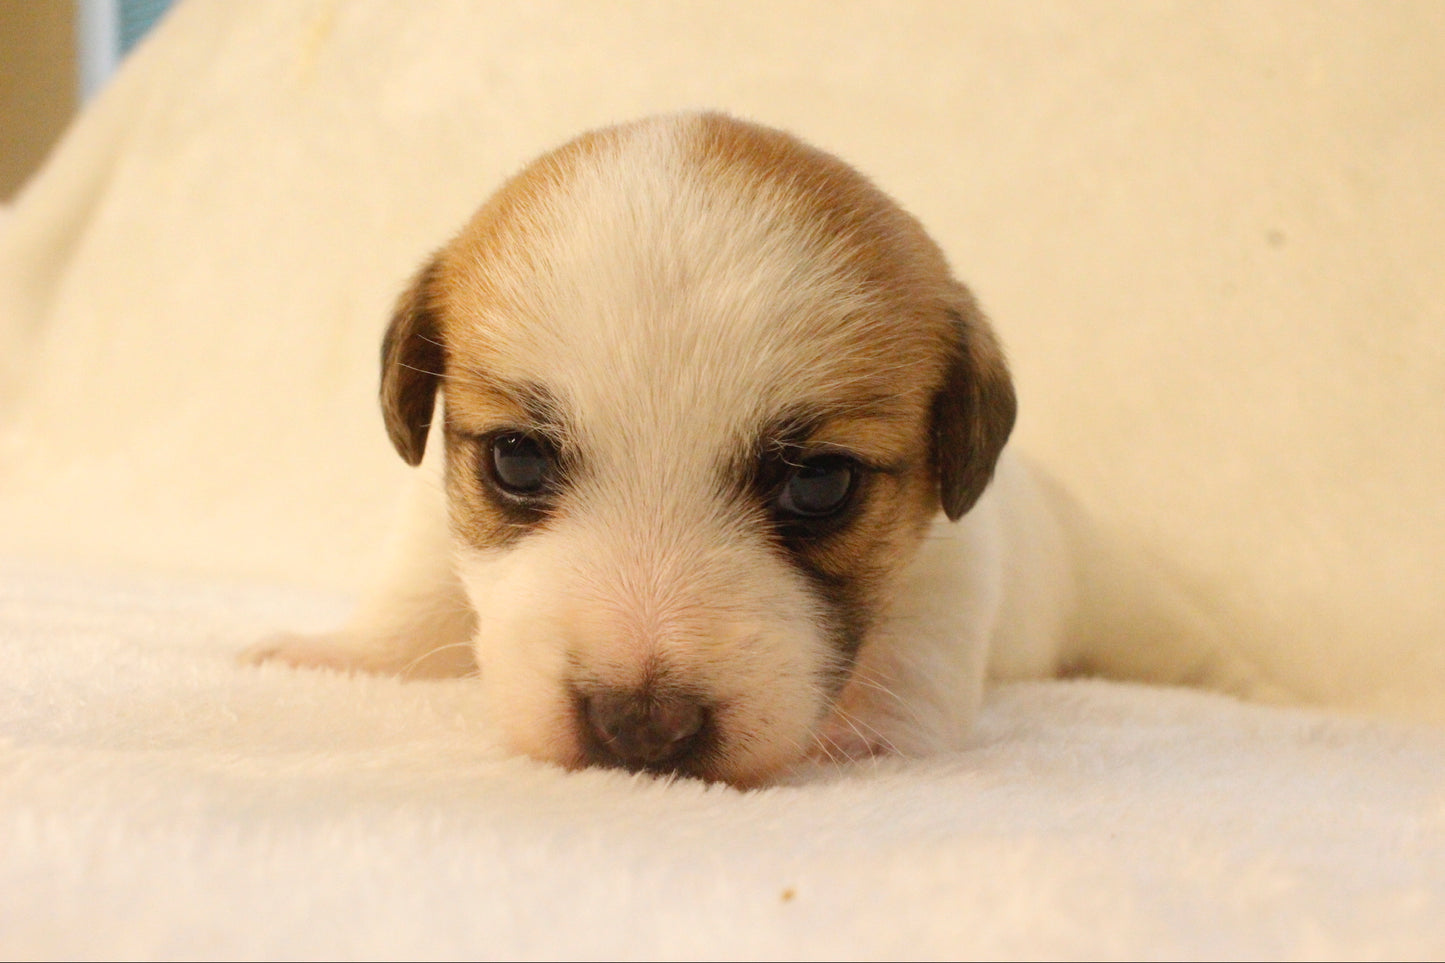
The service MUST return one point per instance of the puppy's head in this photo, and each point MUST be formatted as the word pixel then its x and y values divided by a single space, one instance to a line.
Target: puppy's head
pixel 704 389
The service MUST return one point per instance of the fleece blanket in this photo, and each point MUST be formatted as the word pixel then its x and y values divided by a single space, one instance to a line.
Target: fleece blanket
pixel 1209 236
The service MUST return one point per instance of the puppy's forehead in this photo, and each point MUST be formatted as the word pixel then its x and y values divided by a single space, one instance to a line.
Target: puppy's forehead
pixel 700 271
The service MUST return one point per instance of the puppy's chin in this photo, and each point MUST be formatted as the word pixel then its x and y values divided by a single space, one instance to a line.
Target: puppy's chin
pixel 706 664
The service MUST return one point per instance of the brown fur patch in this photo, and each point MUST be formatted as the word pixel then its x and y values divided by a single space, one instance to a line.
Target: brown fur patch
pixel 478 408
pixel 931 324
pixel 502 230
pixel 885 245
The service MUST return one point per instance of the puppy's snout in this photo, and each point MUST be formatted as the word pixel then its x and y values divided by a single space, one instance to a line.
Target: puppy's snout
pixel 639 729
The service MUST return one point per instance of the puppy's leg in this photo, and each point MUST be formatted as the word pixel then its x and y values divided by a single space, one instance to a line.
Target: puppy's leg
pixel 416 620
pixel 1138 618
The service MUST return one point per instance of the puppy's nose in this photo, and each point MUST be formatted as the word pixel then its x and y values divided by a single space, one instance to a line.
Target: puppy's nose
pixel 644 730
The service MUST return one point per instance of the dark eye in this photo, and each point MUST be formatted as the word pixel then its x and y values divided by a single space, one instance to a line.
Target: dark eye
pixel 521 464
pixel 819 487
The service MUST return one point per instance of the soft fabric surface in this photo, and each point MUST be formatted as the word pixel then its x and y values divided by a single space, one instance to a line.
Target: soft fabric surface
pixel 1208 235
pixel 157 801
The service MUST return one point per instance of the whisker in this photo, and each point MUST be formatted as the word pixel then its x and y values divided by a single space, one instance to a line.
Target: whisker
pixel 412 367
pixel 893 697
pixel 406 669
pixel 823 742
pixel 878 738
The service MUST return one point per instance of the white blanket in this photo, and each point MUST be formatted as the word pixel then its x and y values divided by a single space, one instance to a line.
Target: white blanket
pixel 1210 238
pixel 156 801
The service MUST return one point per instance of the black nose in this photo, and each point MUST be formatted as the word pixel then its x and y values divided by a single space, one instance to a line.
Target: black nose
pixel 642 729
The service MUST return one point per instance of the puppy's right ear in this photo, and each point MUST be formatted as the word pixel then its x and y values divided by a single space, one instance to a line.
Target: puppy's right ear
pixel 412 362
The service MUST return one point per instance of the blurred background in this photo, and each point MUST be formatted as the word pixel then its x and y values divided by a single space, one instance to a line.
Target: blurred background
pixel 54 55
pixel 1208 233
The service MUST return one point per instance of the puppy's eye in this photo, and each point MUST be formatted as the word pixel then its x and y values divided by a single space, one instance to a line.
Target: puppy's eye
pixel 521 463
pixel 819 487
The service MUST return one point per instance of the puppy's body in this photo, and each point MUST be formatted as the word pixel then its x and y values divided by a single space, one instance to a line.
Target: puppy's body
pixel 718 425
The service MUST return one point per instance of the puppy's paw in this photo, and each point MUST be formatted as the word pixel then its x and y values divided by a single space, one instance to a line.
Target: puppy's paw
pixel 329 651
pixel 343 652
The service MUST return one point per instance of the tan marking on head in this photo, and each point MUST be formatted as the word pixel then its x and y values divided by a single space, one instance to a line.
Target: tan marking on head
pixel 942 346
pixel 884 244
pixel 502 237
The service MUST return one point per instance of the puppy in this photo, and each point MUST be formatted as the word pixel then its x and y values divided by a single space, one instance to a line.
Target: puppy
pixel 717 428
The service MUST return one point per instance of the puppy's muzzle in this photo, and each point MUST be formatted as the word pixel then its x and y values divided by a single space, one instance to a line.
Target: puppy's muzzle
pixel 644 729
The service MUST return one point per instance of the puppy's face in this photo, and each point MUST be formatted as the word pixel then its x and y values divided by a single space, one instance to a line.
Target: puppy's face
pixel 704 388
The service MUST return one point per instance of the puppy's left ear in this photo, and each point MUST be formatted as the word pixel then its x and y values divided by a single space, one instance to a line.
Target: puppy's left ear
pixel 973 412
pixel 412 361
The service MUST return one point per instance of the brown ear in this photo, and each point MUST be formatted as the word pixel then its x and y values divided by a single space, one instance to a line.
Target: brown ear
pixel 412 361
pixel 973 412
